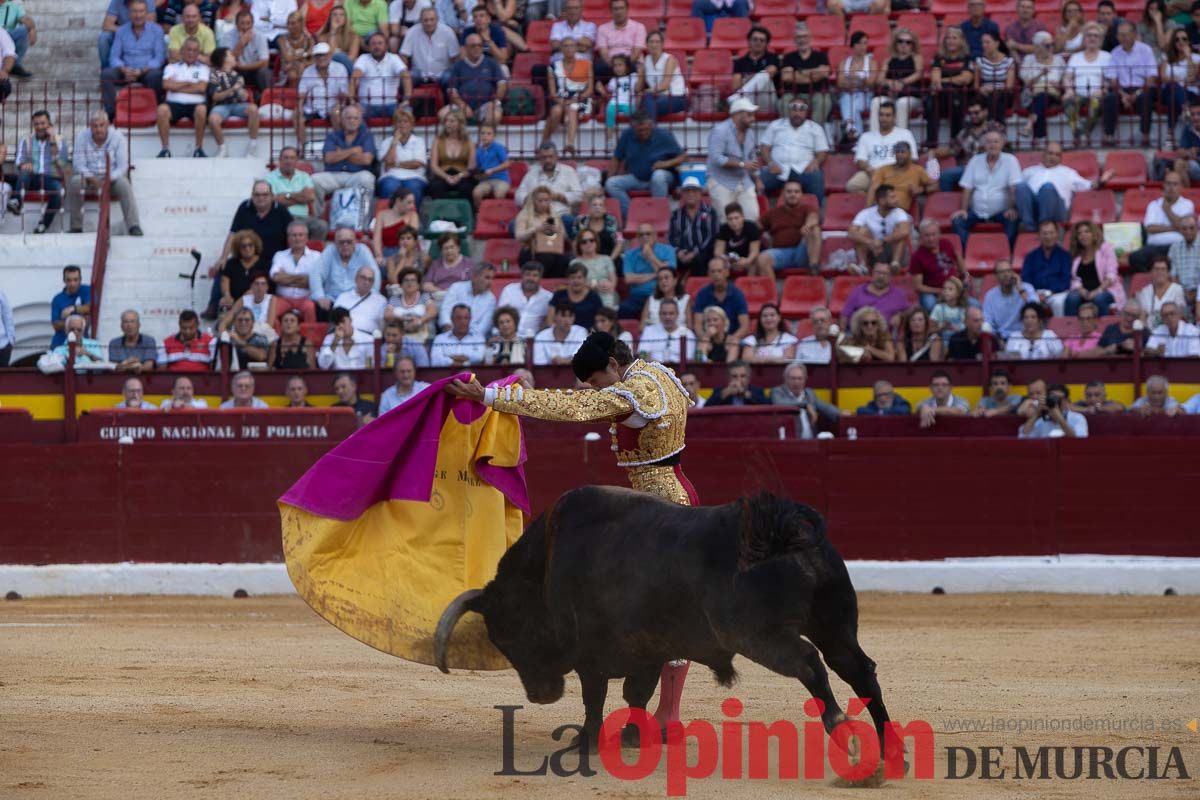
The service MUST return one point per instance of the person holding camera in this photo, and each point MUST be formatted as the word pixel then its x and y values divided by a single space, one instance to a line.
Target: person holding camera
pixel 1048 413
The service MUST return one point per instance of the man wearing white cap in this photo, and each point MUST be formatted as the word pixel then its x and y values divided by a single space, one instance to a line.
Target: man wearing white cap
pixel 322 84
pixel 693 231
pixel 733 162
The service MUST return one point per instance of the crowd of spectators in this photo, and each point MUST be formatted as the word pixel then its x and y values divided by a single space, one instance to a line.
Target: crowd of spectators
pixel 283 303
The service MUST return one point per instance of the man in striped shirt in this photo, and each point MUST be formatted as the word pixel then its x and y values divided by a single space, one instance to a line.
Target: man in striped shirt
pixel 693 231
pixel 41 157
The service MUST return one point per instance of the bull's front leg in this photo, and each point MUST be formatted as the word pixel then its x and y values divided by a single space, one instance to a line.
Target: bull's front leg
pixel 595 690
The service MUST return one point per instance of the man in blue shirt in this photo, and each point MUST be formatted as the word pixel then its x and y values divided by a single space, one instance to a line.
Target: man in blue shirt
pixel 349 153
pixel 645 158
pixel 976 25
pixel 885 403
pixel 1048 268
pixel 116 16
pixel 477 84
pixel 1189 145
pixel 641 265
pixel 137 56
pixel 75 298
pixel 1002 304
pixel 721 292
pixel 337 270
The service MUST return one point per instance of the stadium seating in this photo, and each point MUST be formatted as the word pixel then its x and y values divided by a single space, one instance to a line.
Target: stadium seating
pixel 1129 168
pixel 1084 162
pixel 781 30
pixel 711 67
pixel 497 251
pixel 838 168
pixel 654 210
pixel 729 33
pixel 801 294
pixel 983 250
pixel 775 8
pixel 940 205
pixel 494 218
pixel 137 107
pixel 840 210
pixel 1134 203
pixel 1026 243
pixel 1099 205
pixel 827 31
pixel 537 36
pixel 758 289
pixel 874 25
pixel 686 35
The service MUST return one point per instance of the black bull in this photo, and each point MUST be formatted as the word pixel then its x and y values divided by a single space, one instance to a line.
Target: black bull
pixel 612 583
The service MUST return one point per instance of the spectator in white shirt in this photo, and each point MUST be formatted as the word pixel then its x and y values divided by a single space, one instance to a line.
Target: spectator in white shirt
pixel 364 303
pixel 290 269
pixel 458 346
pixel 133 396
pixel 186 85
pixel 1053 418
pixel 1174 338
pixel 323 86
pixel 242 388
pixel 558 343
pixel 183 396
pixel 573 26
pixel 1033 341
pixel 877 149
pixel 429 49
pixel 817 348
pixel 1046 189
pixel 989 185
pixel 1160 291
pixel 1157 400
pixel 794 149
pixel 1163 220
pixel 475 294
pixel 529 298
pixel 346 348
pixel 666 339
pixel 882 233
pixel 377 78
pixel 405 388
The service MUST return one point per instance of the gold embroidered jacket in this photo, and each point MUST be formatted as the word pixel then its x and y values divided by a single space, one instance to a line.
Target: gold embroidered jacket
pixel 649 399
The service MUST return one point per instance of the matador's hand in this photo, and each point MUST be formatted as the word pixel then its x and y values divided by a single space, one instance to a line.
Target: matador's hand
pixel 469 391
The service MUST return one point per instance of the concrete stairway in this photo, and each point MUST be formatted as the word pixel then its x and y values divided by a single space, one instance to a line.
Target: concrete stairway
pixel 185 204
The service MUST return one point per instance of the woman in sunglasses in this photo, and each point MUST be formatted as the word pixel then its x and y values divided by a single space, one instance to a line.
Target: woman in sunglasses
pixel 901 77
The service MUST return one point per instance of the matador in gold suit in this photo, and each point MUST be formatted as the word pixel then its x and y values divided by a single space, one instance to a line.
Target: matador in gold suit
pixel 646 407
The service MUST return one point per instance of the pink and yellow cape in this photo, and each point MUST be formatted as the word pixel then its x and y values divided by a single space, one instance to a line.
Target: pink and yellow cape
pixel 392 524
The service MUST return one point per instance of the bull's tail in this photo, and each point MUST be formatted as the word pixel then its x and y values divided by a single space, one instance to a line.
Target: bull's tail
pixel 773 526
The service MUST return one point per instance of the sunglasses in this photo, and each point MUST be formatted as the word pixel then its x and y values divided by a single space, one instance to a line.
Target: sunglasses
pixel 588 241
pixel 904 41
pixel 869 323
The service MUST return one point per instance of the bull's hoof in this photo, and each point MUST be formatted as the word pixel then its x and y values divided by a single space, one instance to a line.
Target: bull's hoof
pixel 873 781
pixel 631 736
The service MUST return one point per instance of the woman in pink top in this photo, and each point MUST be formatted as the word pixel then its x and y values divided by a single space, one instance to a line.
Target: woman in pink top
pixel 1094 276
pixel 1088 338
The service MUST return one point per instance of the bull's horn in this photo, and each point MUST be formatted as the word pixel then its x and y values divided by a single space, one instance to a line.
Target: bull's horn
pixel 445 626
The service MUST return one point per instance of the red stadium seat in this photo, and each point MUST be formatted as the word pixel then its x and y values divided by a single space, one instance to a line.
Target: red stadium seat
pixel 838 168
pixel 517 171
pixel 1134 203
pixel 924 27
pixel 1138 282
pixel 940 205
pixel 843 285
pixel 645 8
pixel 137 107
pixel 280 96
pixel 1029 158
pixel 1064 327
pixel 782 30
pixel 801 294
pixel 494 218
pixel 840 210
pixel 711 68
pixel 1083 161
pixel 759 290
pixel 941 8
pixel 804 328
pixel 685 34
pixel 523 64
pixel 694 284
pixel 314 332
pixel 1129 169
pixel 1100 205
pixel 1026 243
pixel 983 250
pixel 775 8
pixel 678 8
pixel 874 25
pixel 502 279
pixel 830 246
pixel 596 11
pixel 653 210
pixel 497 251
pixel 827 31
pixel 537 35
pixel 729 33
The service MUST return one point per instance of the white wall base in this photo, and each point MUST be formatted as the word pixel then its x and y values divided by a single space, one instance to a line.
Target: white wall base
pixel 1070 574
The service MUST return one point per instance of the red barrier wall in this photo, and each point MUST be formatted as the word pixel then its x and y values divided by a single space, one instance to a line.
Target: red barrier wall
pixel 883 498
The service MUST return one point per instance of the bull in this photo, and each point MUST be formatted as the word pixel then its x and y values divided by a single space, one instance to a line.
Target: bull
pixel 612 583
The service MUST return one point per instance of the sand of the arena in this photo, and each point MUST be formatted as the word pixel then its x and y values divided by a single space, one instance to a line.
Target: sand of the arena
pixel 260 699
